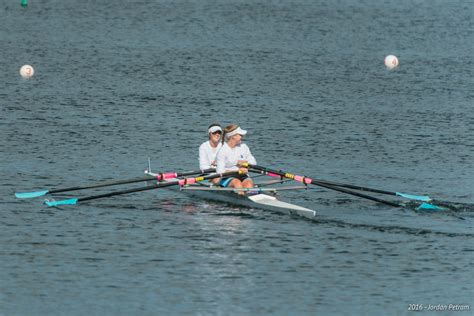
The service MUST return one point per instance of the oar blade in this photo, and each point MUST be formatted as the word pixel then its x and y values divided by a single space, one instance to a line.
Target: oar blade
pixel 414 197
pixel 62 202
pixel 29 195
pixel 429 207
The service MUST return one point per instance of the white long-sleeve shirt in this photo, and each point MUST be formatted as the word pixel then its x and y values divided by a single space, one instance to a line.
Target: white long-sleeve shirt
pixel 207 155
pixel 227 157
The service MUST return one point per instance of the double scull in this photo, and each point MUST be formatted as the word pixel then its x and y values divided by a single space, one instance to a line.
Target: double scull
pixel 258 197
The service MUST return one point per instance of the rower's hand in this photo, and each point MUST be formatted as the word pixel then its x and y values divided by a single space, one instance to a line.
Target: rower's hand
pixel 244 170
pixel 240 163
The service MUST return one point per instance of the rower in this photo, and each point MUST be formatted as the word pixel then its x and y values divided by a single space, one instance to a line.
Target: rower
pixel 231 157
pixel 208 150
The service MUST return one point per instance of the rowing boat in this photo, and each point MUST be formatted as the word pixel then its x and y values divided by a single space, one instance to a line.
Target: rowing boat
pixel 258 197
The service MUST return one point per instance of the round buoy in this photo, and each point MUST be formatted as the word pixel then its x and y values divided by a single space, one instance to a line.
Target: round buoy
pixel 26 71
pixel 391 61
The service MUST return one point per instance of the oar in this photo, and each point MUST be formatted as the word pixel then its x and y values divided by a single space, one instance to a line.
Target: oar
pixel 329 185
pixel 422 198
pixel 180 182
pixel 159 177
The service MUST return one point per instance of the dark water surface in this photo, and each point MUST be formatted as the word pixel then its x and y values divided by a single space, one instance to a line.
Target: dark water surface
pixel 117 82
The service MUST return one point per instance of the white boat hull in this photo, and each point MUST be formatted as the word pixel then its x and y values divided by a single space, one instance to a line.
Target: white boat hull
pixel 259 201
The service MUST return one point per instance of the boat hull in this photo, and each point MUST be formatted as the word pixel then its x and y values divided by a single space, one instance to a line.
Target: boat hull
pixel 258 201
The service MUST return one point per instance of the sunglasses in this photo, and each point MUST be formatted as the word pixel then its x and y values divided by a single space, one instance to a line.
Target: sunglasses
pixel 217 132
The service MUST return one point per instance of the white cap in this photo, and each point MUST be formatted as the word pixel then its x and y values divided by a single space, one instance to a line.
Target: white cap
pixel 214 129
pixel 236 131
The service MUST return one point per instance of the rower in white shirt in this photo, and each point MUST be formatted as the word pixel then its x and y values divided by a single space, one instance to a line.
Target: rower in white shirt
pixel 208 150
pixel 230 157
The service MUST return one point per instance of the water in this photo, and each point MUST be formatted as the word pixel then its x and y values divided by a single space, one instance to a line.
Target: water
pixel 119 81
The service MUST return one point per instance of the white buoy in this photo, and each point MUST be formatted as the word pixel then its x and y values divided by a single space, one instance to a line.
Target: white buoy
pixel 26 71
pixel 391 61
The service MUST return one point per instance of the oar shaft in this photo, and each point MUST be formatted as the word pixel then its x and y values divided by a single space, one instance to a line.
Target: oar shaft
pixel 367 189
pixel 151 187
pixel 149 177
pixel 160 177
pixel 180 182
pixel 190 173
pixel 307 180
pixel 357 187
pixel 365 196
pixel 172 175
pixel 102 184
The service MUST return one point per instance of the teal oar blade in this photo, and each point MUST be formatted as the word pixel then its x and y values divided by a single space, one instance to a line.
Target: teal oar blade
pixel 62 202
pixel 428 206
pixel 29 195
pixel 414 197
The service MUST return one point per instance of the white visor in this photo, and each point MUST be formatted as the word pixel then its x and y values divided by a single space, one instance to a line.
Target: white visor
pixel 214 129
pixel 236 131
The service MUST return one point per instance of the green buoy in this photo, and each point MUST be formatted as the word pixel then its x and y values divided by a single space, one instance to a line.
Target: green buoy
pixel 24 3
